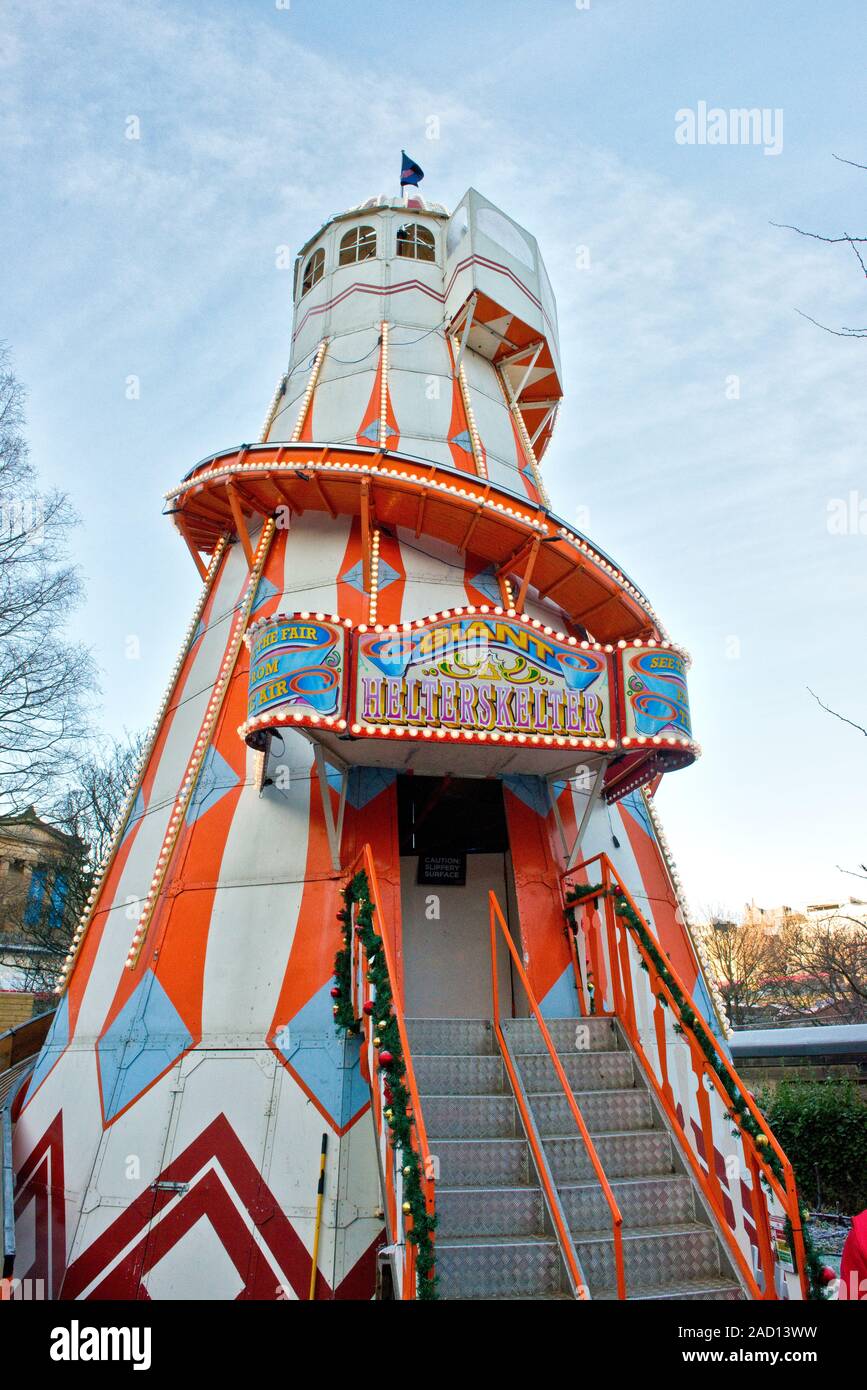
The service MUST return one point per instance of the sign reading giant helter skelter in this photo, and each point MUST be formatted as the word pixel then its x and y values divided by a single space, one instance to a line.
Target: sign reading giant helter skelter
pixel 489 675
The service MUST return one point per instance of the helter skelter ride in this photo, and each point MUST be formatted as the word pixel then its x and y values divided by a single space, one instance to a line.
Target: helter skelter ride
pixel 390 880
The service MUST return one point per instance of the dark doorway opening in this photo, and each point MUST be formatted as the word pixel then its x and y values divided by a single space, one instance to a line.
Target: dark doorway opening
pixel 451 815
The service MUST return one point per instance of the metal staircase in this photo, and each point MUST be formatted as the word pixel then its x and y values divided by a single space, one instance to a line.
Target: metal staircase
pixel 496 1236
pixel 493 1236
pixel 612 1155
pixel 670 1248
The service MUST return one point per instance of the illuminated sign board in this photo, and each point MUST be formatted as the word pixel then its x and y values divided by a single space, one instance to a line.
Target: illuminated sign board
pixel 297 666
pixel 482 674
pixel 475 676
pixel 655 698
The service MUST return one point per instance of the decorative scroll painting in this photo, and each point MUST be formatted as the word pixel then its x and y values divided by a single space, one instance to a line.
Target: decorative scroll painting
pixel 297 666
pixel 655 696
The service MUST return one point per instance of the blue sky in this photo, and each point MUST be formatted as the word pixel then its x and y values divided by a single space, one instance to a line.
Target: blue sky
pixel 156 258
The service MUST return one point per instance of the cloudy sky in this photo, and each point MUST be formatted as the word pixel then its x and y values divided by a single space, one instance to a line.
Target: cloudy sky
pixel 710 436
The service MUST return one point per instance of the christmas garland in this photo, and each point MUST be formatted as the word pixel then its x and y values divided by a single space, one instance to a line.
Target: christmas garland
pixel 398 1111
pixel 817 1272
pixel 739 1111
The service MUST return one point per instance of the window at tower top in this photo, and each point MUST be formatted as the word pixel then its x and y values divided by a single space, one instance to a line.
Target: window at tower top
pixel 359 244
pixel 313 270
pixel 416 242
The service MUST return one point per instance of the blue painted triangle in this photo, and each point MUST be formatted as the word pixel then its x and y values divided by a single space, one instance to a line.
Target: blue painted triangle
pixel 387 575
pixel 147 1036
pixel 634 804
pixel 463 441
pixel 531 790
pixel 137 810
pixel 354 577
pixel 264 590
pixel 215 780
pixel 486 583
pixel 327 1063
pixel 561 1001
pixel 367 782
pixel 56 1040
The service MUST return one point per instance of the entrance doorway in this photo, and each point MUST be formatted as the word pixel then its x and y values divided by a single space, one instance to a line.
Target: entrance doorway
pixel 454 848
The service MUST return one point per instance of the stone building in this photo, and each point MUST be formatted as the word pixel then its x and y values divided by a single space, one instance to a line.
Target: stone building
pixel 37 866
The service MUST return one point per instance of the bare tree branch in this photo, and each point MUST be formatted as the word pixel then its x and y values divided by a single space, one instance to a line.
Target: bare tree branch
pixel 841 717
pixel 838 332
pixel 849 161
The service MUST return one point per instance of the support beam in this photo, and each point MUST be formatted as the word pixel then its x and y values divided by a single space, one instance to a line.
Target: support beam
pixel 468 323
pixel 474 520
pixel 334 828
pixel 554 803
pixel 516 394
pixel 592 799
pixel 514 560
pixel 240 523
pixel 528 573
pixel 545 420
pixel 551 588
pixel 197 559
pixel 510 357
pixel 365 535
pixel 326 502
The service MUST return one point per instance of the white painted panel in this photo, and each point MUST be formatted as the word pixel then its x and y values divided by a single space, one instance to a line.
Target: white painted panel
pixel 427 450
pixel 349 353
pixel 434 576
pixel 315 548
pixel 339 406
pixel 256 904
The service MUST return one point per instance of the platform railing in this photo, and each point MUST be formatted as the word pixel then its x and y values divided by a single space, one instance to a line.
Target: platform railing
pixel 399 1224
pixel 498 923
pixel 623 972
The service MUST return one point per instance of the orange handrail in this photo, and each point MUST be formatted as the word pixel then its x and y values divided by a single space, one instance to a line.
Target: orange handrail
pixel 364 860
pixel 566 1245
pixel 788 1198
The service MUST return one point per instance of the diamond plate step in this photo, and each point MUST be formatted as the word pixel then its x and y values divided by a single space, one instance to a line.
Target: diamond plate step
pixel 602 1111
pixel 642 1202
pixel 569 1035
pixel 505 1268
pixel 652 1258
pixel 489 1211
pixel 473 1036
pixel 482 1162
pixel 471 1117
pixel 633 1153
pixel 708 1290
pixel 585 1071
pixel 447 1075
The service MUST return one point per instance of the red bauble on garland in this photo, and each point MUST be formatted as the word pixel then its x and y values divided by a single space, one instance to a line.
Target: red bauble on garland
pixel 385 1059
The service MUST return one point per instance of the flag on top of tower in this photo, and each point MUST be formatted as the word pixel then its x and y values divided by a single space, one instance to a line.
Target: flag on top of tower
pixel 410 172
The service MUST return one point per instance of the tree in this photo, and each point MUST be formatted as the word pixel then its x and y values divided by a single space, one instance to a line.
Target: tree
pixel 856 245
pixel 88 811
pixel 739 955
pixel 45 680
pixel 821 968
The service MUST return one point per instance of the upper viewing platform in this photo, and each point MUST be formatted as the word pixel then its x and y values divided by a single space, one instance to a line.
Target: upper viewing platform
pixel 470 352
